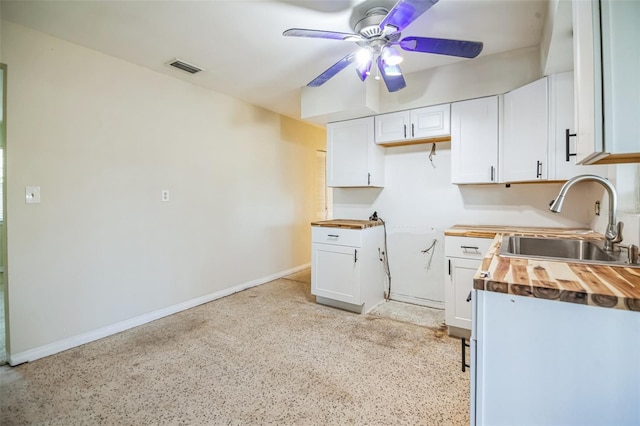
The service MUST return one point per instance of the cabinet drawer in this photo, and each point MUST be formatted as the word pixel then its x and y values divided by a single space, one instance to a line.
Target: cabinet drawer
pixel 466 247
pixel 336 236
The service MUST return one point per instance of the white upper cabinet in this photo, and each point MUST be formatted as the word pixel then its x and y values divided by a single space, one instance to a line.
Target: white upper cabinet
pixel 607 66
pixel 525 148
pixel 353 159
pixel 413 126
pixel 562 136
pixel 474 141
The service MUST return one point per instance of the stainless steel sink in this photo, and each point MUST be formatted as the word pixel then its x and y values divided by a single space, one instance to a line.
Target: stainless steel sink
pixel 568 250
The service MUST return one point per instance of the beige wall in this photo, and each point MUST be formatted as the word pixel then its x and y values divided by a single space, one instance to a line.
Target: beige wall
pixel 103 137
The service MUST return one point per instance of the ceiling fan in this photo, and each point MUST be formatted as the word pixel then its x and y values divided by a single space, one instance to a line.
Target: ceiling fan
pixel 377 30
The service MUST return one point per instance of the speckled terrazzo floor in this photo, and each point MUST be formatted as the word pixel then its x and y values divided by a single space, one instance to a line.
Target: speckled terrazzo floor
pixel 268 355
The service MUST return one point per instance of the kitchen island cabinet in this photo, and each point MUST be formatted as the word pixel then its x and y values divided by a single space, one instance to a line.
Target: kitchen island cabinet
pixel 346 267
pixel 543 362
pixel 554 342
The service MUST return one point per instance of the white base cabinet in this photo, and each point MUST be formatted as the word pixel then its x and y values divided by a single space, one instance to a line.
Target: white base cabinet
pixel 463 257
pixel 543 362
pixel 346 271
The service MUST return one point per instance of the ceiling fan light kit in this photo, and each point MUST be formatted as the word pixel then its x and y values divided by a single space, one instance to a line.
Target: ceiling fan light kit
pixel 377 30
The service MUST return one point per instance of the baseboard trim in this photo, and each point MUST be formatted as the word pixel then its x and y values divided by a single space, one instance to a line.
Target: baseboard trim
pixel 90 336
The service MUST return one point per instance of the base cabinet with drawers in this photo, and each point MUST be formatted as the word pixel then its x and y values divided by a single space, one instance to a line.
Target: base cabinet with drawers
pixel 346 270
pixel 463 257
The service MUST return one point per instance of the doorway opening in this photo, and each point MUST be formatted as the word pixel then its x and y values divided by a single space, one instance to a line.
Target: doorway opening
pixel 324 194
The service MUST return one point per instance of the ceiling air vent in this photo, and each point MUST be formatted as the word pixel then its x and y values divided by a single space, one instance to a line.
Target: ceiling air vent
pixel 184 66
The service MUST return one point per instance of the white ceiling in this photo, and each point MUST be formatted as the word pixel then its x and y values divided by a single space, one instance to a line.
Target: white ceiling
pixel 240 45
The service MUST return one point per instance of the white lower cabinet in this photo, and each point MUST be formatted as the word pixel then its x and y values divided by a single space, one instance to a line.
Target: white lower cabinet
pixel 346 271
pixel 545 362
pixel 463 256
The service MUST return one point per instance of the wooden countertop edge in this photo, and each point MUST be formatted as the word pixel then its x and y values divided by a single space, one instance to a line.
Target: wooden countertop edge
pixel 347 223
pixel 490 231
pixel 611 295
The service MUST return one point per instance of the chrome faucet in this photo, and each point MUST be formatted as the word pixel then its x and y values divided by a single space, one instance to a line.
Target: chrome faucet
pixel 613 234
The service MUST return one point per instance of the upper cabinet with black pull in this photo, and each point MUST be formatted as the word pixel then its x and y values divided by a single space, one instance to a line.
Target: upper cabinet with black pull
pixel 524 153
pixel 353 158
pixel 562 131
pixel 607 65
pixel 539 142
pixel 421 125
pixel 474 141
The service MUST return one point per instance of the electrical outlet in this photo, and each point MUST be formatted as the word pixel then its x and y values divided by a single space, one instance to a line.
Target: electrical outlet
pixel 165 195
pixel 32 195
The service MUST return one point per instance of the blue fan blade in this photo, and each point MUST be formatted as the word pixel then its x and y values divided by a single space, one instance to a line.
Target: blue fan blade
pixel 332 35
pixel 441 46
pixel 332 70
pixel 405 12
pixel 363 69
pixel 391 75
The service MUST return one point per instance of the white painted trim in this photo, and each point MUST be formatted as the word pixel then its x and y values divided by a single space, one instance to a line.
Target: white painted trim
pixel 417 301
pixel 90 336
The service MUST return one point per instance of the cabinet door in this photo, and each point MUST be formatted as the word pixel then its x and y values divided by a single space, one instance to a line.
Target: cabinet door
pixel 430 122
pixel 534 353
pixel 621 77
pixel 474 141
pixel 457 310
pixel 335 273
pixel 392 127
pixel 347 156
pixel 588 80
pixel 526 138
pixel 562 146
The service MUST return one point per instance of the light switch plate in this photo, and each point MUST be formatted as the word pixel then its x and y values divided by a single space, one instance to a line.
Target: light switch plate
pixel 32 195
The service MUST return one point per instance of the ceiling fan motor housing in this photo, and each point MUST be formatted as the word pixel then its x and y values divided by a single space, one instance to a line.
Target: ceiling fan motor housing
pixel 366 17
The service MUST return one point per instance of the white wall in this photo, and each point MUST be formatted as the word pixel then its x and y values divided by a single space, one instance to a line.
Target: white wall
pixel 483 76
pixel 102 138
pixel 419 202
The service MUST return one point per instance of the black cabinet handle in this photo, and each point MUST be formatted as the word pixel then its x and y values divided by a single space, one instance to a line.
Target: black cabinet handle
pixel 449 266
pixel 413 131
pixel 368 178
pixel 538 169
pixel 568 135
pixel 492 173
pixel 464 347
pixel 355 255
pixel 469 248
pixel 405 130
pixel 333 235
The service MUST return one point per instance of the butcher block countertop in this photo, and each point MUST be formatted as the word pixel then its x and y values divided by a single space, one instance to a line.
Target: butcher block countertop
pixel 347 223
pixel 587 284
pixel 490 231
